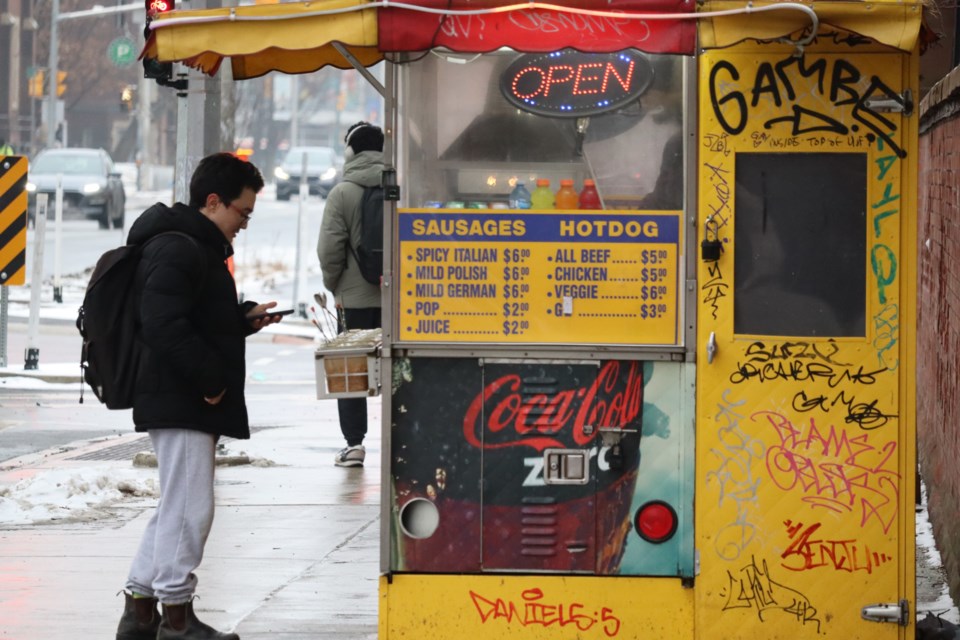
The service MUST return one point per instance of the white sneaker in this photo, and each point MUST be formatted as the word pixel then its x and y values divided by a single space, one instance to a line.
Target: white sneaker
pixel 350 456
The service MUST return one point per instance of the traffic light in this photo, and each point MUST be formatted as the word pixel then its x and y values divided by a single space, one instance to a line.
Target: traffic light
pixel 127 96
pixel 156 7
pixel 37 84
pixel 153 69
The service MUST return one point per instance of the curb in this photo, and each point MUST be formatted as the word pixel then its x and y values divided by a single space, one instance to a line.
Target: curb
pixel 36 374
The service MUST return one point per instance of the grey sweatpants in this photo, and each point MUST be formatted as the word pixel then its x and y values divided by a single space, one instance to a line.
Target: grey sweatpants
pixel 172 545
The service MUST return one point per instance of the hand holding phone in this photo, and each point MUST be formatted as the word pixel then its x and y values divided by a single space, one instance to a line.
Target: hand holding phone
pixel 270 314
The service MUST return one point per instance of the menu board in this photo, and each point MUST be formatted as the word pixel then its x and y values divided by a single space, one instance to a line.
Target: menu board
pixel 539 277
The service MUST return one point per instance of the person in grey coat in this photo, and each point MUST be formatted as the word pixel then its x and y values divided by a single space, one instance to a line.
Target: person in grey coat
pixel 358 301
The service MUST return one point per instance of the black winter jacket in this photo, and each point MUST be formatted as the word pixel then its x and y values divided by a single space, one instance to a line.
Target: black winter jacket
pixel 191 324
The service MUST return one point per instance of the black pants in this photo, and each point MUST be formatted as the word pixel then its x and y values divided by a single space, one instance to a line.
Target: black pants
pixel 353 411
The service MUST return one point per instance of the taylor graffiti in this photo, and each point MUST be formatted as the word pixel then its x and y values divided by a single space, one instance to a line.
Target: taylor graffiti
pixel 883 259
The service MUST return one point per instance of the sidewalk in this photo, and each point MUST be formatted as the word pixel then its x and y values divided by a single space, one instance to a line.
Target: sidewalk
pixel 294 551
pixel 293 554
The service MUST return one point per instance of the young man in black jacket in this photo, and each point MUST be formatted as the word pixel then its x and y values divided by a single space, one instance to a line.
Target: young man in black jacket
pixel 189 387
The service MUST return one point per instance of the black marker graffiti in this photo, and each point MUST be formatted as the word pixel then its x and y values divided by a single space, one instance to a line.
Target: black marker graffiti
pixel 839 37
pixel 865 414
pixel 836 80
pixel 714 288
pixel 802 372
pixel 755 589
pixel 717 143
pixel 760 352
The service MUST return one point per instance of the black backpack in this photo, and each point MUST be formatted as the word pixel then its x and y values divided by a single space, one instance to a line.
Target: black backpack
pixel 107 322
pixel 369 252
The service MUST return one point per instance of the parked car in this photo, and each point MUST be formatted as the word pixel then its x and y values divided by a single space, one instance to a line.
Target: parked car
pixel 91 186
pixel 322 171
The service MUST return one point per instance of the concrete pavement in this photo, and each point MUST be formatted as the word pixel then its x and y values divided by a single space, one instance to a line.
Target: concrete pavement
pixel 293 554
pixel 294 551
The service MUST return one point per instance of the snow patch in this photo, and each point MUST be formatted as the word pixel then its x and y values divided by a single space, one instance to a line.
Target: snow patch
pixel 60 494
pixel 943 606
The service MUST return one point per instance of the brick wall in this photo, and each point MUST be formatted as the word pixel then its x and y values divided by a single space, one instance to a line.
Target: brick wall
pixel 938 330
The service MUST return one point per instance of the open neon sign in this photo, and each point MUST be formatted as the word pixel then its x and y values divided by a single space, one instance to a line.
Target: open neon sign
pixel 570 84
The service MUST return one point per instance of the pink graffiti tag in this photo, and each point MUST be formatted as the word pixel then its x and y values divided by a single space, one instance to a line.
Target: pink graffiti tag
pixel 835 470
pixel 808 552
pixel 532 612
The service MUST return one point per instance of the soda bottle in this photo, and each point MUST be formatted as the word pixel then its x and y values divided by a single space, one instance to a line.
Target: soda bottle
pixel 542 196
pixel 566 197
pixel 589 198
pixel 519 197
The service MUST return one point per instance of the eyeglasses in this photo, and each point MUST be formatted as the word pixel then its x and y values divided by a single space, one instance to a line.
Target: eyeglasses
pixel 244 215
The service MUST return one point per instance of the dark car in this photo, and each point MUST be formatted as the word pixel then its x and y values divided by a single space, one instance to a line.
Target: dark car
pixel 322 172
pixel 91 186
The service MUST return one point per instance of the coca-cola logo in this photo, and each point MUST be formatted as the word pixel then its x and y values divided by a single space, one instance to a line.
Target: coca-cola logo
pixel 608 402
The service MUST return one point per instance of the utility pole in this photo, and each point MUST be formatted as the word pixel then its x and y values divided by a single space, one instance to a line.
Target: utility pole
pixel 53 62
pixel 228 100
pixel 13 105
pixel 198 123
pixel 294 111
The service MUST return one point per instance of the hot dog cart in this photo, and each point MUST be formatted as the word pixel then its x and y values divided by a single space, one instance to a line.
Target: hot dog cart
pixel 687 413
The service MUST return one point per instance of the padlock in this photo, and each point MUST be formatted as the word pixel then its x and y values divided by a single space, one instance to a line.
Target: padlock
pixel 711 248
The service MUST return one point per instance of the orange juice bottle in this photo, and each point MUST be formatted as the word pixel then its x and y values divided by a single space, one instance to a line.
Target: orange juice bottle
pixel 566 197
pixel 542 196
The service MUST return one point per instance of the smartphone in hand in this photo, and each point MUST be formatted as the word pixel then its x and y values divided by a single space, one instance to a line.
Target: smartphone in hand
pixel 271 313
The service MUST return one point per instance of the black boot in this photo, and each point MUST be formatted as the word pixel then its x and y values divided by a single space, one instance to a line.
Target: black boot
pixel 140 619
pixel 180 623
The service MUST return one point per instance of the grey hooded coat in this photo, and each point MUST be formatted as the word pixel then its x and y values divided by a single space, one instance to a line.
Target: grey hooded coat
pixel 340 226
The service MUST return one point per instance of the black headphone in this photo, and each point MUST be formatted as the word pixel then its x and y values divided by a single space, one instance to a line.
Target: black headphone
pixel 352 130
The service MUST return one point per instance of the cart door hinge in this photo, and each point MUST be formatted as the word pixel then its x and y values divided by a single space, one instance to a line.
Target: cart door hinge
pixel 902 103
pixel 887 612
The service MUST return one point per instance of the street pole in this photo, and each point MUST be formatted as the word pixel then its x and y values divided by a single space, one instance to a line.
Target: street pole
pixel 13 110
pixel 198 123
pixel 52 72
pixel 32 351
pixel 295 111
pixel 4 304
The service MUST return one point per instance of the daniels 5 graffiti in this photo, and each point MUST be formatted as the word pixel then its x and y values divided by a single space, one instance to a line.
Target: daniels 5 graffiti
pixel 533 609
